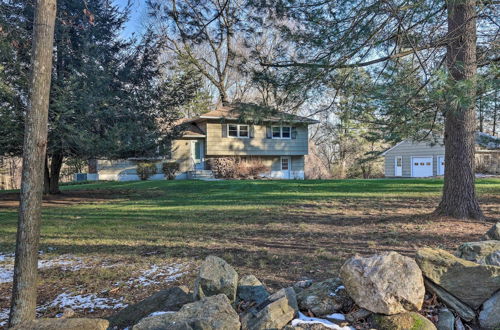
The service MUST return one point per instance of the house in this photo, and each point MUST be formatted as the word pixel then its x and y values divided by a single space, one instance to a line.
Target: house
pixel 424 159
pixel 276 139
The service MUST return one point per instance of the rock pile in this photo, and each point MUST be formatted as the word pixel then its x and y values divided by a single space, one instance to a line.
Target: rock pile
pixel 387 291
pixel 467 282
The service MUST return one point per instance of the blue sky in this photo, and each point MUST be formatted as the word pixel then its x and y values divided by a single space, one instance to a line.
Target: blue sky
pixel 137 14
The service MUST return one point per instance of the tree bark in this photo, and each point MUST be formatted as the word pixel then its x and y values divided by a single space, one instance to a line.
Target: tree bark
pixel 55 173
pixel 459 196
pixel 23 302
pixel 46 177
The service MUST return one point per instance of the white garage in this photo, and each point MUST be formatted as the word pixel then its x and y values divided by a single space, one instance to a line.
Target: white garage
pixel 421 167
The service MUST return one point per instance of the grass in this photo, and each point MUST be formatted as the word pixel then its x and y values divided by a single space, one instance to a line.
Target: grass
pixel 281 231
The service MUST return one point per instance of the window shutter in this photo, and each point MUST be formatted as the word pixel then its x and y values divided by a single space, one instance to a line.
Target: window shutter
pixel 269 133
pixel 251 131
pixel 224 130
pixel 294 133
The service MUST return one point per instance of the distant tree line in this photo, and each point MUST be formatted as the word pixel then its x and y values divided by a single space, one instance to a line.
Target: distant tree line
pixel 109 96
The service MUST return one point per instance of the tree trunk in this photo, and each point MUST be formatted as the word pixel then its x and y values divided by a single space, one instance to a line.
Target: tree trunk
pixel 495 114
pixel 92 166
pixel 46 177
pixel 459 196
pixel 23 302
pixel 55 173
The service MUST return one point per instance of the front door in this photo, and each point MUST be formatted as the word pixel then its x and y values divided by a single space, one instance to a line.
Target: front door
pixel 398 166
pixel 198 154
pixel 440 164
pixel 286 163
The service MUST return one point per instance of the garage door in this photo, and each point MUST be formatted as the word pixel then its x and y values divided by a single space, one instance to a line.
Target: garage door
pixel 421 167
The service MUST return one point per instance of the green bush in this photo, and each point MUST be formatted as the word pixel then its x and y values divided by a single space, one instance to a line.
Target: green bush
pixel 170 169
pixel 146 170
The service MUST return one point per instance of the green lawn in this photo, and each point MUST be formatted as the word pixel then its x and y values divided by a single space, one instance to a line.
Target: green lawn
pixel 281 231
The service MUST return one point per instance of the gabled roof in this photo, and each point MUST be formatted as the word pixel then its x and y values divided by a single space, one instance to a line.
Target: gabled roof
pixel 249 112
pixel 188 128
pixel 483 140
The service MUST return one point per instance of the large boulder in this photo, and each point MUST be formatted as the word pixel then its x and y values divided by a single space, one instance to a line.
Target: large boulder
pixel 466 280
pixel 387 283
pixel 171 299
pixel 63 324
pixel 402 321
pixel 493 232
pixel 325 297
pixel 251 290
pixel 215 277
pixel 449 300
pixel 274 313
pixel 489 317
pixel 446 320
pixel 479 252
pixel 209 313
pixel 493 259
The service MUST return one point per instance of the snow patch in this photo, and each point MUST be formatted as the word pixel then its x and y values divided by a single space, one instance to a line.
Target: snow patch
pixel 159 313
pixel 157 274
pixel 6 274
pixel 88 301
pixel 302 319
pixel 66 262
pixel 4 316
pixel 336 316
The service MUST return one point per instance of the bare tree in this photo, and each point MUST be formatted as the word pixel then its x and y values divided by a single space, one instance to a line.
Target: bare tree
pixel 23 303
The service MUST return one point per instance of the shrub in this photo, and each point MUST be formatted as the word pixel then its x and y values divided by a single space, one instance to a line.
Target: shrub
pixel 170 169
pixel 146 170
pixel 237 168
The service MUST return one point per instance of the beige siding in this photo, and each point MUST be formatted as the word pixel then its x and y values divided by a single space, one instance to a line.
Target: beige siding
pixel 181 153
pixel 407 150
pixel 258 145
pixel 298 163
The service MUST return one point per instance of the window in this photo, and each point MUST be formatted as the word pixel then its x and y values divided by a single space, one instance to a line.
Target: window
pixel 399 161
pixel 284 163
pixel 282 132
pixel 276 132
pixel 232 130
pixel 285 132
pixel 240 131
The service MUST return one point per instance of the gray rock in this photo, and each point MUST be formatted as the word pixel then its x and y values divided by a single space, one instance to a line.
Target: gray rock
pixel 446 320
pixel 489 317
pixel 468 281
pixel 274 313
pixel 209 313
pixel 479 251
pixel 325 297
pixel 493 232
pixel 449 300
pixel 63 324
pixel 402 321
pixel 171 299
pixel 458 324
pixel 215 277
pixel 358 315
pixel 301 285
pixel 251 290
pixel 493 259
pixel 387 283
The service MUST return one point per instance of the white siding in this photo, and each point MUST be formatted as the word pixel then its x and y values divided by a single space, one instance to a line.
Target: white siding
pixel 407 150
